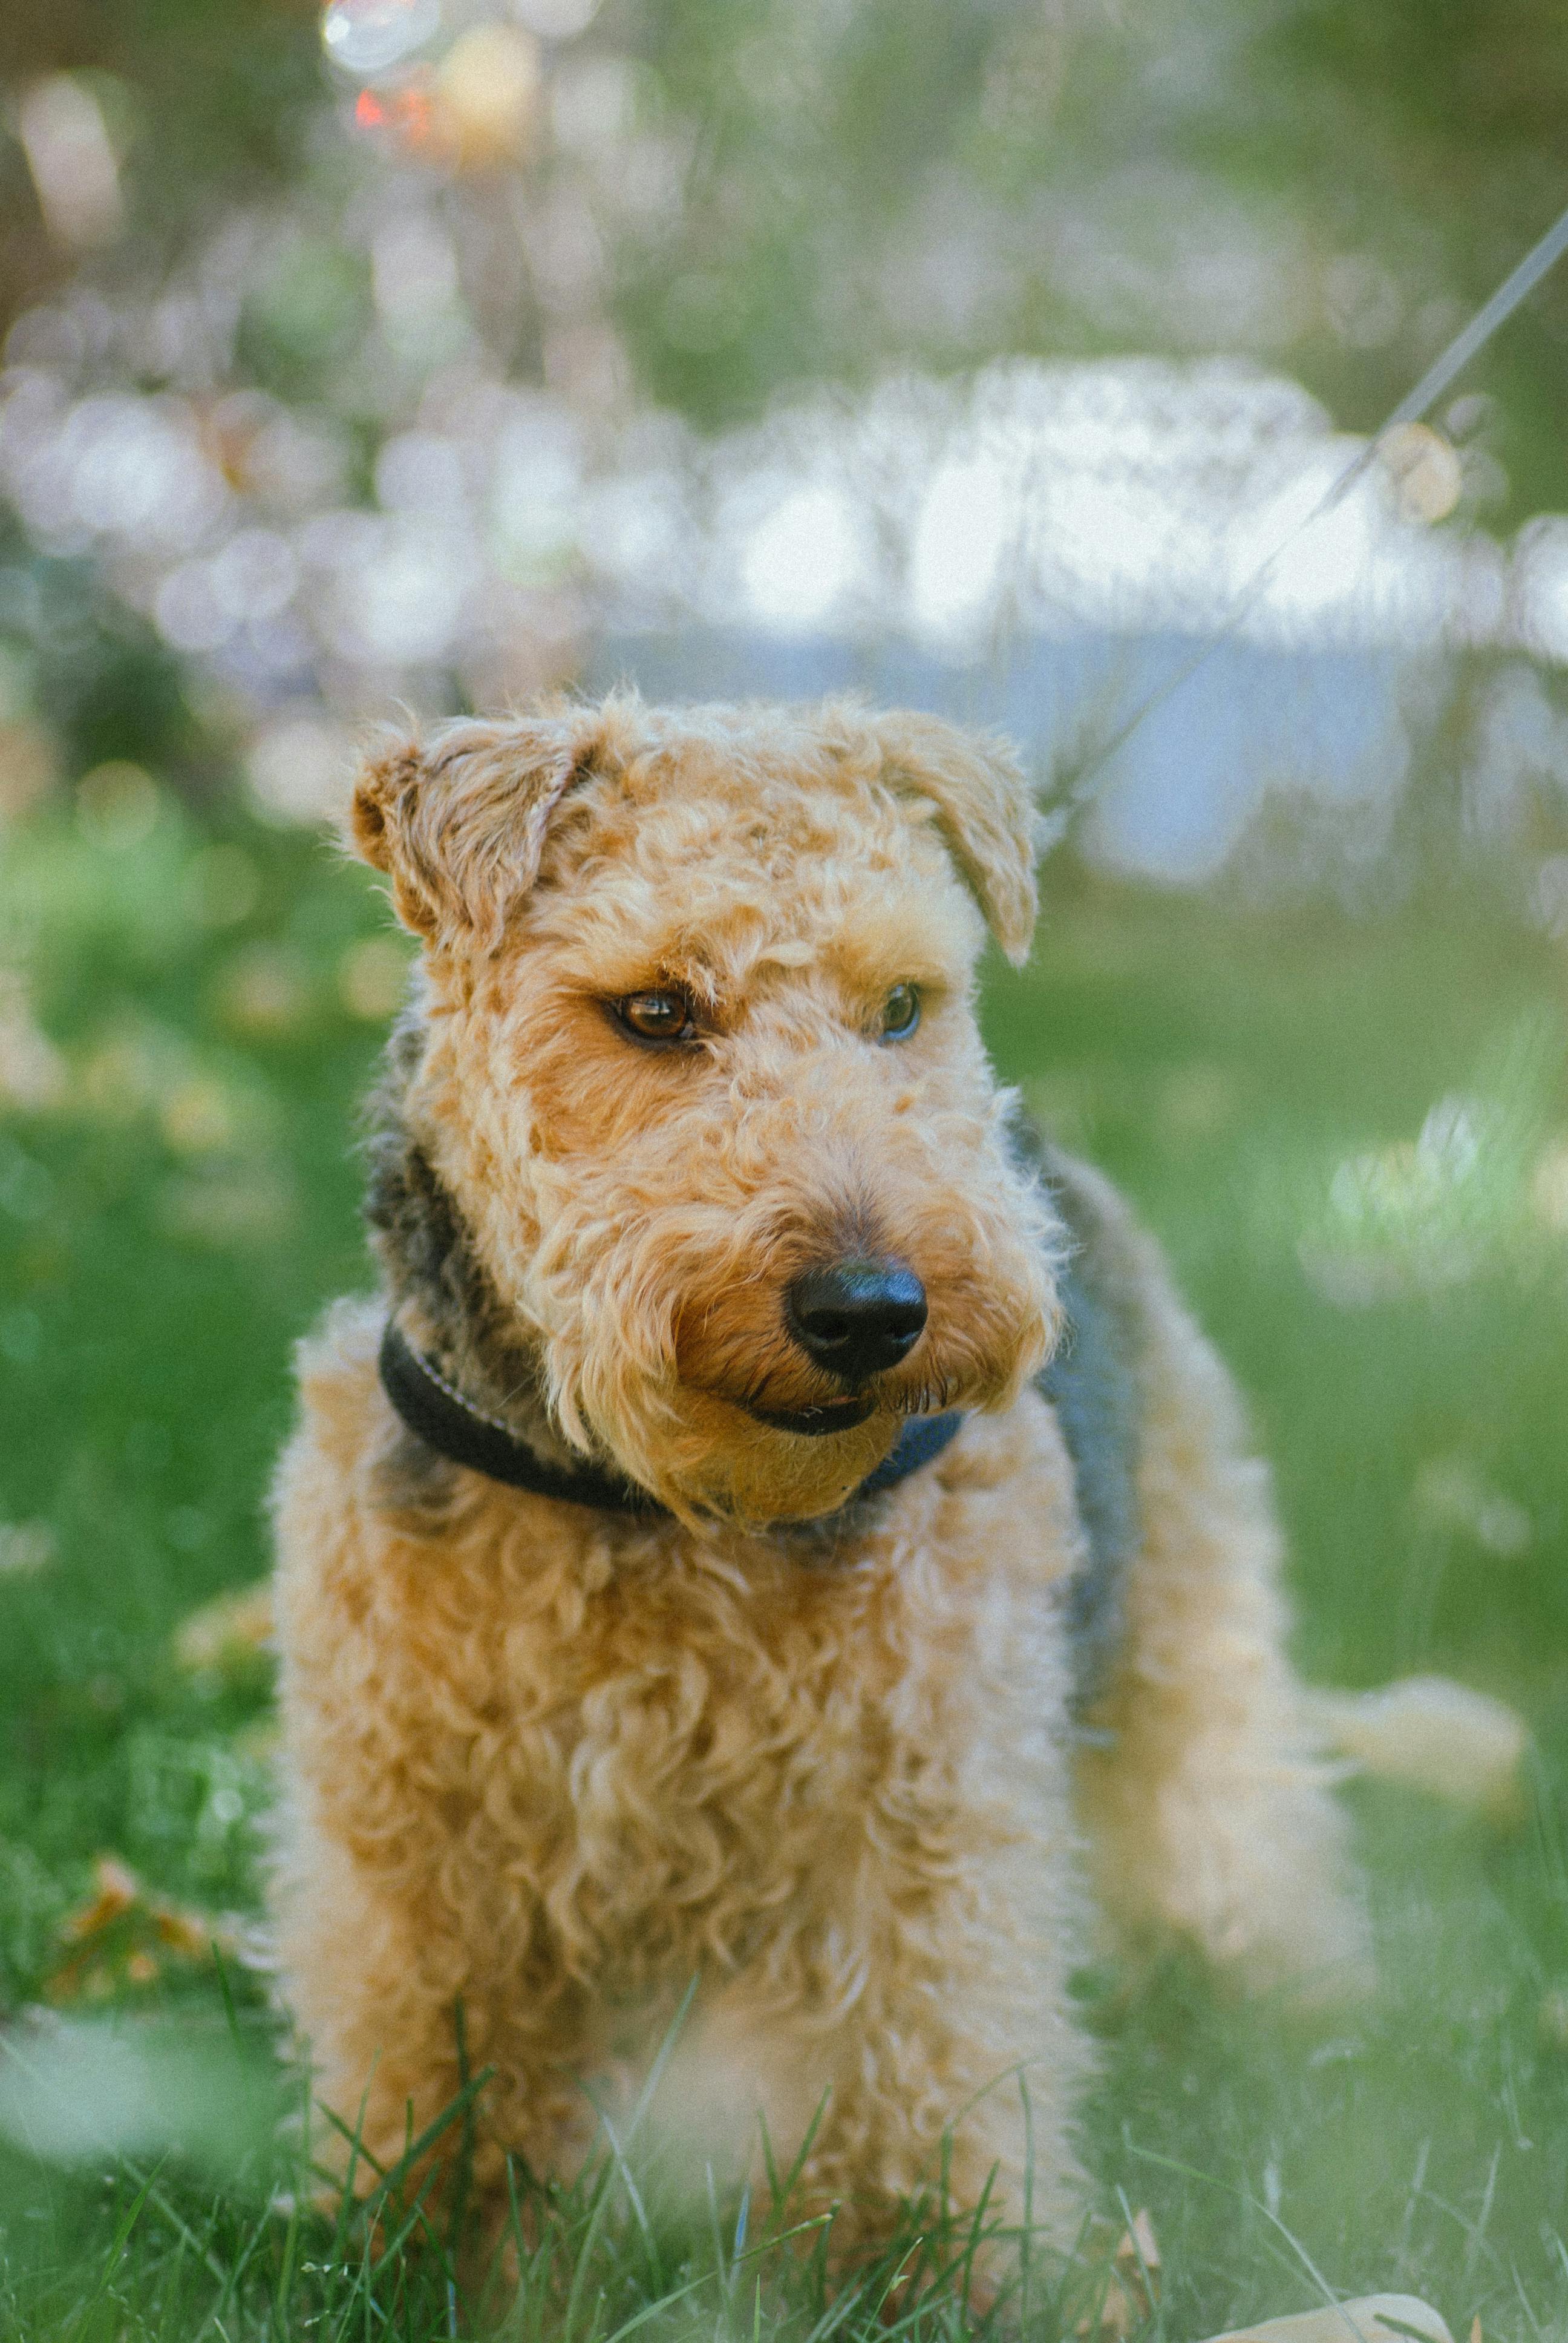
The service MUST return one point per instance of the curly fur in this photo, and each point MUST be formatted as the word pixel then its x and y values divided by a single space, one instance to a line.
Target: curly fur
pixel 555 1765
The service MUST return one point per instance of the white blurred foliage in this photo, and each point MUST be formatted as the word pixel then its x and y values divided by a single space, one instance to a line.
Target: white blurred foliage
pixel 300 766
pixel 413 271
pixel 1541 587
pixel 74 2093
pixel 1417 1216
pixel 1132 494
pixel 1518 762
pixel 78 2093
pixel 1451 1494
pixel 556 20
pixel 502 530
pixel 26 1548
pixel 72 162
pixel 1470 1195
pixel 802 559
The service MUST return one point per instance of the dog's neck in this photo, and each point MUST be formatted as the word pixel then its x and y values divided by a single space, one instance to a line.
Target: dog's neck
pixel 438 1290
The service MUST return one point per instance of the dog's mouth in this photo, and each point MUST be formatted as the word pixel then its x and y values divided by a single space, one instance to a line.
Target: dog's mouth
pixel 813 1423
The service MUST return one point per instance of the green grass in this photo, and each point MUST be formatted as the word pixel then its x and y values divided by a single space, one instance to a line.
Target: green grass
pixel 179 1199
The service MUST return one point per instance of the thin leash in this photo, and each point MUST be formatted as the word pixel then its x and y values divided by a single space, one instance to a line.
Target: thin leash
pixel 1072 792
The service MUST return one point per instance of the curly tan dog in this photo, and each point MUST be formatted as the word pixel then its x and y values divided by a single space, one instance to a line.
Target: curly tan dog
pixel 776 1527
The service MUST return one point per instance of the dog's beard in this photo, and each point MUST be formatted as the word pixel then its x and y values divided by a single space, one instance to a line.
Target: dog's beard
pixel 715 1460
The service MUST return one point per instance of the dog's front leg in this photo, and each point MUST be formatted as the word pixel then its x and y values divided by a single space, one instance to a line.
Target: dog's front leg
pixel 914 2042
pixel 412 2011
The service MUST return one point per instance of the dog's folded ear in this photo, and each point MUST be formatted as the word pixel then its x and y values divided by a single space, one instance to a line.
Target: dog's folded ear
pixel 458 820
pixel 983 810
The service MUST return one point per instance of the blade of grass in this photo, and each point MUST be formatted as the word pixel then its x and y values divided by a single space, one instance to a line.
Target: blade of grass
pixel 112 2262
pixel 601 2200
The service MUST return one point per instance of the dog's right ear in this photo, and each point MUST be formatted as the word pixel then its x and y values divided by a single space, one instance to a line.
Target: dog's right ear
pixel 457 821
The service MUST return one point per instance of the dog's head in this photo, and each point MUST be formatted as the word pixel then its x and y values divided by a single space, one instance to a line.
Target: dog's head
pixel 699 1070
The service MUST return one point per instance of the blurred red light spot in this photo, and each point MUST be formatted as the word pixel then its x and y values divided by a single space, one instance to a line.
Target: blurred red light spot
pixel 406 116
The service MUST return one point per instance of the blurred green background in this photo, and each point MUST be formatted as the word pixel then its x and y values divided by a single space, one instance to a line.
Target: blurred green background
pixel 331 381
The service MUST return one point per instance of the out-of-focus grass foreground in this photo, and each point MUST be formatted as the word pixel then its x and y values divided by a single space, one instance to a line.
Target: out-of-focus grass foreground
pixel 969 355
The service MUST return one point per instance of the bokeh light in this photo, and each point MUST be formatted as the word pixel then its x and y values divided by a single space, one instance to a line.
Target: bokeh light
pixel 556 20
pixel 363 37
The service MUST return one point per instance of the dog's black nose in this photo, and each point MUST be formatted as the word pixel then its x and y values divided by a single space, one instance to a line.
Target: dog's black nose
pixel 857 1318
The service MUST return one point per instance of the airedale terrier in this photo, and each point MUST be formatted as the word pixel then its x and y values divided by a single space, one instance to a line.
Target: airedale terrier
pixel 778 1525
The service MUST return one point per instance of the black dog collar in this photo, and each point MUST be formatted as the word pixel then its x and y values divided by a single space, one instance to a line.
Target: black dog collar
pixel 444 1420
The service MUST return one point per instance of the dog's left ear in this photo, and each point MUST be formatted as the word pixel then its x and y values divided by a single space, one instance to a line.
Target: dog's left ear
pixel 458 820
pixel 984 812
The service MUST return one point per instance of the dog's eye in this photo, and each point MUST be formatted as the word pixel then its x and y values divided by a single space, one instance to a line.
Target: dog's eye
pixel 900 1013
pixel 657 1016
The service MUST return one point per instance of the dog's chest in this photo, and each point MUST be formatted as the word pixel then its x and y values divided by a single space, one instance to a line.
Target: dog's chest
pixel 683 1744
pixel 680 1751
